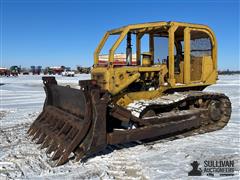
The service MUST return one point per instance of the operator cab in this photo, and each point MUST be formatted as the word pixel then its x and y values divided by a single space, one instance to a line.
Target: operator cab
pixel 176 53
pixel 153 48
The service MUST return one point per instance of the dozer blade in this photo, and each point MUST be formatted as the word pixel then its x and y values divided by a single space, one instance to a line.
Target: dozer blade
pixel 72 120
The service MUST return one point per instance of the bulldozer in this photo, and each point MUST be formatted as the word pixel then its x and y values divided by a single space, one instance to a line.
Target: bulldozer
pixel 159 94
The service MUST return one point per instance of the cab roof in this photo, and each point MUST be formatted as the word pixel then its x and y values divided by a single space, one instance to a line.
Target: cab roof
pixel 150 26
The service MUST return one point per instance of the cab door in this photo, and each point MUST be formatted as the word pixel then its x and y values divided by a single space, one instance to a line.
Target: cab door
pixel 198 53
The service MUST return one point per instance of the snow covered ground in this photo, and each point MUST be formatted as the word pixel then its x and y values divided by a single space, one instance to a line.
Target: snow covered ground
pixel 21 101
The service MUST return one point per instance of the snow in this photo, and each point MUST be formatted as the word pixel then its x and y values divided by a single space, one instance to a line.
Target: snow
pixel 21 100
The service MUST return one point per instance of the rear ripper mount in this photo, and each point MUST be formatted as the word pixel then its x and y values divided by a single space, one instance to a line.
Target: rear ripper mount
pixel 84 121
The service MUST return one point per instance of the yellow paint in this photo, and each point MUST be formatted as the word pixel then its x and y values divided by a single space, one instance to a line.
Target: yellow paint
pixel 171 32
pixel 187 71
pixel 127 83
pixel 147 59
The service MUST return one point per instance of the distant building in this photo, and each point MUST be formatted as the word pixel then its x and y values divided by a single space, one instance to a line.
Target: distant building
pixel 119 59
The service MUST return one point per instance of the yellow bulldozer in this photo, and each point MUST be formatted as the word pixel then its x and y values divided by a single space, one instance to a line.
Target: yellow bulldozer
pixel 158 94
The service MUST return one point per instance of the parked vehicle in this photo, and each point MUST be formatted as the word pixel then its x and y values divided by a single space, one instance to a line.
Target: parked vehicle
pixel 83 70
pixel 15 70
pixel 4 72
pixel 36 70
pixel 68 72
pixel 54 70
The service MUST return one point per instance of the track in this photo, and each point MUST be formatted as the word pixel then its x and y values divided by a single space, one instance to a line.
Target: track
pixel 214 109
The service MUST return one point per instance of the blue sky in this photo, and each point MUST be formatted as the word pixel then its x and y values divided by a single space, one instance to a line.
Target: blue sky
pixel 66 32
